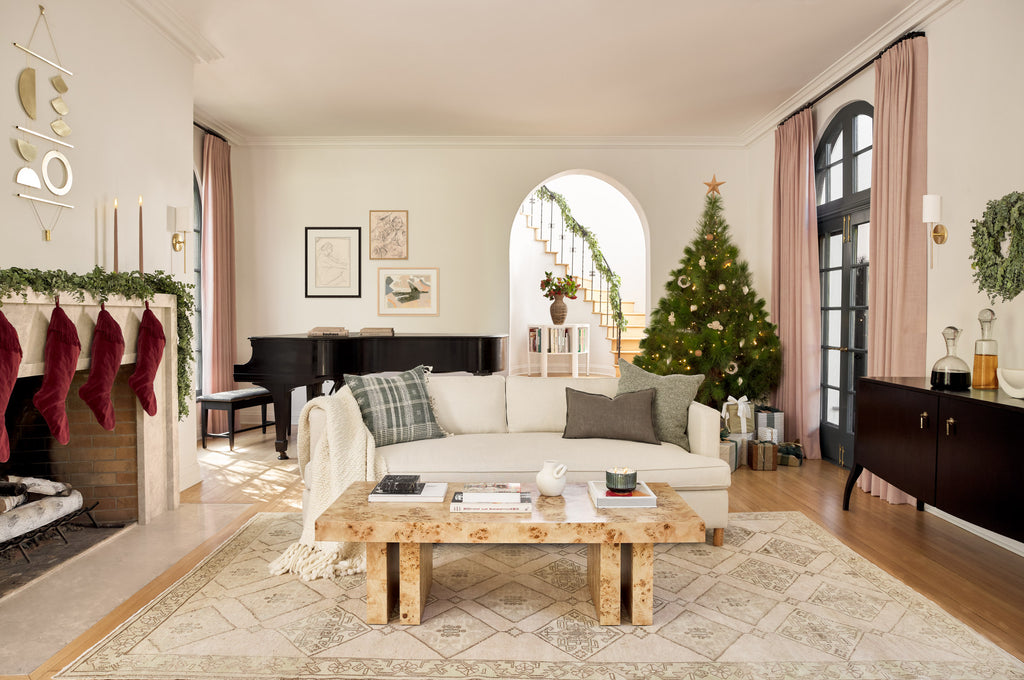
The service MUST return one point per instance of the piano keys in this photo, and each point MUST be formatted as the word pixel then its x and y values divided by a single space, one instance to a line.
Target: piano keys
pixel 280 363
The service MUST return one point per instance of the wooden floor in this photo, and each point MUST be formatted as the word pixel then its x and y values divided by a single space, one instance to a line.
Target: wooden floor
pixel 976 581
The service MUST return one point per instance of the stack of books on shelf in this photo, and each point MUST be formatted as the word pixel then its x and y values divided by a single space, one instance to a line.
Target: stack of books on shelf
pixel 328 332
pixel 407 489
pixel 488 497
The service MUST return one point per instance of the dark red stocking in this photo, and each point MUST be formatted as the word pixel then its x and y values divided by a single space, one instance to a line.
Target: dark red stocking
pixel 60 358
pixel 149 351
pixel 107 350
pixel 10 358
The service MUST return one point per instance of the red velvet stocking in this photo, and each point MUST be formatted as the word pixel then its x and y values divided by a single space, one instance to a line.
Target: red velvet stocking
pixel 60 357
pixel 149 351
pixel 10 358
pixel 107 350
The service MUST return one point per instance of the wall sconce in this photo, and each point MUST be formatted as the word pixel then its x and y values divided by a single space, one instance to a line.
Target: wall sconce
pixel 931 214
pixel 181 229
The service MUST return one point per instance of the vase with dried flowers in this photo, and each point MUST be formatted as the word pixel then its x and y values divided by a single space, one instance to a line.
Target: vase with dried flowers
pixel 557 288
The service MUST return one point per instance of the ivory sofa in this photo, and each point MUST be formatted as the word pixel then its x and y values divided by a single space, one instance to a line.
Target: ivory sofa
pixel 504 428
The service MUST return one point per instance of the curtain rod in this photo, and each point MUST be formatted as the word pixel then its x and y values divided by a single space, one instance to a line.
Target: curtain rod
pixel 209 131
pixel 846 79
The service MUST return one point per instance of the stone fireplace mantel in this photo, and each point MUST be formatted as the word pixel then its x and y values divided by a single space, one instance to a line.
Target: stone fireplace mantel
pixel 157 436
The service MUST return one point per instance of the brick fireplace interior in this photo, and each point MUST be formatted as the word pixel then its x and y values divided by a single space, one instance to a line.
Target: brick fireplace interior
pixel 102 465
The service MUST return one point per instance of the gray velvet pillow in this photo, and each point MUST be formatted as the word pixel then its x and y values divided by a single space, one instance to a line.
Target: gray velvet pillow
pixel 673 394
pixel 627 416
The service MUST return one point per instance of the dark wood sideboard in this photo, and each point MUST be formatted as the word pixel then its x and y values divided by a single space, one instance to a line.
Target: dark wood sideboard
pixel 960 452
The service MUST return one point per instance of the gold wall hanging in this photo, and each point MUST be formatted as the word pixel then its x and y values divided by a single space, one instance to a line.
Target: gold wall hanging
pixel 58 181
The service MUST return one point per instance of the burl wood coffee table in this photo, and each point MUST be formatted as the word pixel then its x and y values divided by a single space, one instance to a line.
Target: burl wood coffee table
pixel 620 555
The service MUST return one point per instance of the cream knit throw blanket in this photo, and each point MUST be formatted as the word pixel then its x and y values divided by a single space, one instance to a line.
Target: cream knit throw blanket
pixel 344 454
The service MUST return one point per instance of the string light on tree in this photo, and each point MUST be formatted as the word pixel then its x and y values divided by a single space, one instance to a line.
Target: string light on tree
pixel 710 320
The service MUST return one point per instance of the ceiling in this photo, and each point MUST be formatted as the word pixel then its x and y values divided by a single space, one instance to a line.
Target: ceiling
pixel 714 69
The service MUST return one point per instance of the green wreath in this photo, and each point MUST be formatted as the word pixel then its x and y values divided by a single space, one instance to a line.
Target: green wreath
pixel 997 275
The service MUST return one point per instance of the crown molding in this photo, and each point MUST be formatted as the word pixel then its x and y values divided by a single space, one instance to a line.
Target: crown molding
pixel 498 142
pixel 232 135
pixel 183 35
pixel 914 17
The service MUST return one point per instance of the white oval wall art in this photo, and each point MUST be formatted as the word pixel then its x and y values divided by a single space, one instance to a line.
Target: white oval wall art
pixel 68 177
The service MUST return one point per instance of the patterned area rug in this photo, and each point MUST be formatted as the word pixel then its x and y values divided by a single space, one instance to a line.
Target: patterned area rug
pixel 781 599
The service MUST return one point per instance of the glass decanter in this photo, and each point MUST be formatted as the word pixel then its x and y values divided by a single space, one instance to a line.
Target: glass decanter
pixel 986 354
pixel 951 372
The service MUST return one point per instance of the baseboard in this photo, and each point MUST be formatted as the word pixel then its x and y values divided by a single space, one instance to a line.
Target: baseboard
pixel 991 536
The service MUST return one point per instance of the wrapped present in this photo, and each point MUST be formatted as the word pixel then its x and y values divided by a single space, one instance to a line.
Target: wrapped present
pixel 728 450
pixel 762 455
pixel 791 453
pixel 742 441
pixel 766 416
pixel 790 460
pixel 738 415
pixel 768 434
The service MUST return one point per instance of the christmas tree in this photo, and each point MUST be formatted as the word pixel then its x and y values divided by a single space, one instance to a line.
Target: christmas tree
pixel 711 321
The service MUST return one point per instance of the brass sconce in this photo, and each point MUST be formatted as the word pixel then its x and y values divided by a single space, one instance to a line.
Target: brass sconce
pixel 180 219
pixel 178 245
pixel 931 214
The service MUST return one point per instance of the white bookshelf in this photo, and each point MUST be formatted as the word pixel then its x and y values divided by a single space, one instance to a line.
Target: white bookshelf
pixel 543 340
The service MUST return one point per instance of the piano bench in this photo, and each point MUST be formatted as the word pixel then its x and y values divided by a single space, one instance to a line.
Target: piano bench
pixel 232 401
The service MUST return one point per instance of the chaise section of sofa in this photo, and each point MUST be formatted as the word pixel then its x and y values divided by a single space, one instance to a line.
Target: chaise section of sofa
pixel 503 429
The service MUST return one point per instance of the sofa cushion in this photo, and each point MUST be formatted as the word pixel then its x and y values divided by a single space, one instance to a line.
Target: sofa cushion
pixel 671 401
pixel 516 457
pixel 396 408
pixel 538 404
pixel 468 404
pixel 627 416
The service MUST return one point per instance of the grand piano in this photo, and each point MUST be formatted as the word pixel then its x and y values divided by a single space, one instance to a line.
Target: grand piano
pixel 280 363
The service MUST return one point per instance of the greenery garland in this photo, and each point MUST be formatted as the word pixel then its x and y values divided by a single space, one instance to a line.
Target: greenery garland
pixel 101 285
pixel 998 275
pixel 613 280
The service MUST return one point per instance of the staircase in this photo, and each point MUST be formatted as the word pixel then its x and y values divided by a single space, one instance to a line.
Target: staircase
pixel 590 291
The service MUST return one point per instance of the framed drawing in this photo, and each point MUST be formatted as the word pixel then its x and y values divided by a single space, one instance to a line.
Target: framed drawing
pixel 389 234
pixel 407 292
pixel 332 262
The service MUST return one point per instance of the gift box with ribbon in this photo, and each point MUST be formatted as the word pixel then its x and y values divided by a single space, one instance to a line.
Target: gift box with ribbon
pixel 738 415
pixel 766 416
pixel 728 450
pixel 768 434
pixel 762 455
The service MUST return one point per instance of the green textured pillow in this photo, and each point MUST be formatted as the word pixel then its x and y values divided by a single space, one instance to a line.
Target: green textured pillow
pixel 672 397
pixel 628 416
pixel 395 409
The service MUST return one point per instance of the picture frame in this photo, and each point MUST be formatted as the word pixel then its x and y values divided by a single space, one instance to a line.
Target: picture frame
pixel 408 291
pixel 389 234
pixel 334 262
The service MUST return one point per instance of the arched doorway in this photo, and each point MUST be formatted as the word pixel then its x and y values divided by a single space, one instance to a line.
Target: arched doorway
pixel 607 210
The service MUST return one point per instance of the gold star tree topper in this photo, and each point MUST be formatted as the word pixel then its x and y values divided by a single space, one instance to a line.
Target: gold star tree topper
pixel 713 186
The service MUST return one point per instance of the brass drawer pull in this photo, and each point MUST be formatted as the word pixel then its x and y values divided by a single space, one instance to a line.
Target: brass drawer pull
pixel 924 420
pixel 950 423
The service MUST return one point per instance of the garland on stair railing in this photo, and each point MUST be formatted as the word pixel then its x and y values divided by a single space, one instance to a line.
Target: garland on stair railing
pixel 101 284
pixel 612 279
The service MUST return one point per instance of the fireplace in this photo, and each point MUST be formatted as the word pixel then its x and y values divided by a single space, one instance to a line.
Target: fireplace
pixel 131 472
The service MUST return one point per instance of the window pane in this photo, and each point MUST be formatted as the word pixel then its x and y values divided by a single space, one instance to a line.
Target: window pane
pixel 835 152
pixel 835 251
pixel 821 182
pixel 832 407
pixel 859 320
pixel 862 239
pixel 833 328
pixel 862 170
pixel 832 359
pixel 835 182
pixel 860 286
pixel 861 132
pixel 834 291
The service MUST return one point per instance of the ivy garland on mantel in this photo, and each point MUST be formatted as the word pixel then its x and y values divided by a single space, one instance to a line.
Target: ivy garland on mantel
pixel 101 284
pixel 600 263
pixel 998 275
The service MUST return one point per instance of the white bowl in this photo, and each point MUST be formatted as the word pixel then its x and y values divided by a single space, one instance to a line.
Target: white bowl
pixel 1011 381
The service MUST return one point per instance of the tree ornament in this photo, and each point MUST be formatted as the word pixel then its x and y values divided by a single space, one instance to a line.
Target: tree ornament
pixel 698 353
pixel 716 325
pixel 710 237
pixel 721 286
pixel 733 368
pixel 702 262
pixel 683 281
pixel 746 289
pixel 693 308
pixel 713 186
pixel 672 318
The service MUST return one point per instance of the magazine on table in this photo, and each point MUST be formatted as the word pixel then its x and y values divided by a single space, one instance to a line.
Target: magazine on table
pixel 491 492
pixel 429 492
pixel 524 504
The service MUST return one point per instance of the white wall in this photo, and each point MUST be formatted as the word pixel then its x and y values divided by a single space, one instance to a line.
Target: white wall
pixel 462 202
pixel 130 104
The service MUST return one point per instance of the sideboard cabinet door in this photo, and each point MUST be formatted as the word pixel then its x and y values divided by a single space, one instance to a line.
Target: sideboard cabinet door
pixel 895 437
pixel 980 468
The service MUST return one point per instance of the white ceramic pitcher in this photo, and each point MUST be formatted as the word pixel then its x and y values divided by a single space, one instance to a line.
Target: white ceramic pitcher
pixel 551 478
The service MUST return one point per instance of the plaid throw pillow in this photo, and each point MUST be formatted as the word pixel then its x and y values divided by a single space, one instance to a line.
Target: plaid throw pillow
pixel 395 409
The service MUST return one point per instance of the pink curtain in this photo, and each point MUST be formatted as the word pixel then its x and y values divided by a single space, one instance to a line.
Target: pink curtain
pixel 218 274
pixel 796 307
pixel 898 287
